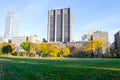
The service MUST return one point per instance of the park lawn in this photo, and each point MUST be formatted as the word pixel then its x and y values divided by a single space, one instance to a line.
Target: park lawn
pixel 17 68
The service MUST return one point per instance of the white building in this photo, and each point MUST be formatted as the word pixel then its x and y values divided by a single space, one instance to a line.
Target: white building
pixel 11 25
pixel 5 39
pixel 34 39
pixel 19 39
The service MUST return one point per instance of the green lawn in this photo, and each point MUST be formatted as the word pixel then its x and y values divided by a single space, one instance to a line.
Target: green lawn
pixel 16 68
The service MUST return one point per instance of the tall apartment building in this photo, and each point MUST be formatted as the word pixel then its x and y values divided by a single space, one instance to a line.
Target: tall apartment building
pixel 99 35
pixel 11 25
pixel 60 25
pixel 117 41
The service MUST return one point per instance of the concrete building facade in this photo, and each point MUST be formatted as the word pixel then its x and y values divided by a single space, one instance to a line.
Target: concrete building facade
pixel 60 25
pixel 117 41
pixel 19 39
pixel 100 35
pixel 5 39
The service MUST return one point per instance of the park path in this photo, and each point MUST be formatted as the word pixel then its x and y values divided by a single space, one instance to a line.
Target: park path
pixel 1 71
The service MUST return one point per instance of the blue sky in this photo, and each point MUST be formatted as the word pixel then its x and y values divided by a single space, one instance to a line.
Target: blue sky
pixel 88 14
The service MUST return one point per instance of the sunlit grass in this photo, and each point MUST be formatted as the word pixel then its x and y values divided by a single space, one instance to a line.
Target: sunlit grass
pixel 19 68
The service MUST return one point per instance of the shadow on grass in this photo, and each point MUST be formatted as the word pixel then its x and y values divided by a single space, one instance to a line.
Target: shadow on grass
pixel 60 69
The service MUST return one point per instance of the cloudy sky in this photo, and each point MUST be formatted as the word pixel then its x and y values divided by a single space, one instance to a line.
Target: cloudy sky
pixel 101 15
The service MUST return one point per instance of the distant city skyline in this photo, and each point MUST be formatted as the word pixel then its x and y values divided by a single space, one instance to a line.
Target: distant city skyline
pixel 103 15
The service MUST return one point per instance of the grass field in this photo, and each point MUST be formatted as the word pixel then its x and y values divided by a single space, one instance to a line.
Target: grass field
pixel 14 68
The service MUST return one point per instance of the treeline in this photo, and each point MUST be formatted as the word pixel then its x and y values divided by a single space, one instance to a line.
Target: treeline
pixel 43 49
pixel 95 48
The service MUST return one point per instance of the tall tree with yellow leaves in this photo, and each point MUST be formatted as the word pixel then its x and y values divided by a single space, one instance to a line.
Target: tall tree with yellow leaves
pixel 44 48
pixel 54 50
pixel 94 46
pixel 66 51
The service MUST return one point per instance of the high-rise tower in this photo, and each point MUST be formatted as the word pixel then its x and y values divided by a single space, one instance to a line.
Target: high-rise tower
pixel 11 25
pixel 60 25
pixel 117 42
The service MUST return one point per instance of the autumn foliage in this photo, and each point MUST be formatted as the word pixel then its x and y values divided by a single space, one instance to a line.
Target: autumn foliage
pixel 6 48
pixel 94 47
pixel 45 49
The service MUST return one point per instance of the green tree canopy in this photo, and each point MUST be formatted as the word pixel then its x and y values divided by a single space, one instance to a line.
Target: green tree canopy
pixel 7 49
pixel 26 46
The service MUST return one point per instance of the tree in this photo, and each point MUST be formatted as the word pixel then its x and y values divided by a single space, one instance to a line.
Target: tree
pixel 94 47
pixel 71 47
pixel 33 48
pixel 88 48
pixel 97 46
pixel 44 48
pixel 7 49
pixel 66 51
pixel 13 47
pixel 0 49
pixel 6 44
pixel 26 46
pixel 54 50
pixel 38 49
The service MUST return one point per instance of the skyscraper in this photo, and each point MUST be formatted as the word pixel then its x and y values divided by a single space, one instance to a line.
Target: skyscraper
pixel 60 25
pixel 117 42
pixel 11 25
